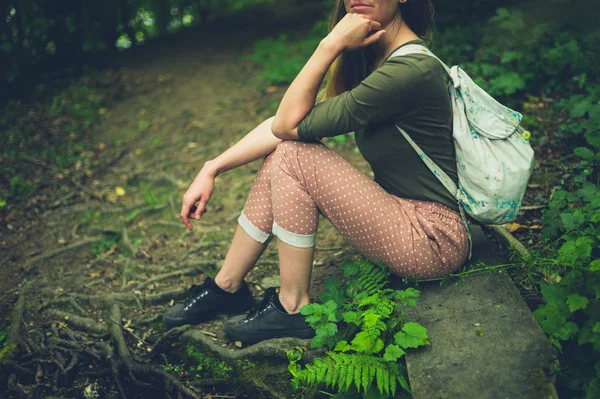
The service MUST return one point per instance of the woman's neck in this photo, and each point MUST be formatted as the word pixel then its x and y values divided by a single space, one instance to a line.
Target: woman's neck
pixel 397 34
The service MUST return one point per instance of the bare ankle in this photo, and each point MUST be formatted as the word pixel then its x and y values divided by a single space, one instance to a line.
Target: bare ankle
pixel 293 303
pixel 228 284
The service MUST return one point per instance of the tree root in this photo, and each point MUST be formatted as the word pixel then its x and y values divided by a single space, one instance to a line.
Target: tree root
pixel 124 365
pixel 177 273
pixel 270 349
pixel 83 323
pixel 503 233
pixel 128 298
pixel 70 179
pixel 58 251
pixel 127 243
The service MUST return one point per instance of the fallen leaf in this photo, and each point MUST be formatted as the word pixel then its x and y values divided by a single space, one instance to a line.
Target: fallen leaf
pixel 271 89
pixel 120 191
pixel 238 344
pixel 514 227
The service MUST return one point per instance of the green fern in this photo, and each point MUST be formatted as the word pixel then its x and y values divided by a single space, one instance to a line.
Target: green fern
pixel 342 370
pixel 363 329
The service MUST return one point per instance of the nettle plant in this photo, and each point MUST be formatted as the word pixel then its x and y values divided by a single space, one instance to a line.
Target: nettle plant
pixel 361 326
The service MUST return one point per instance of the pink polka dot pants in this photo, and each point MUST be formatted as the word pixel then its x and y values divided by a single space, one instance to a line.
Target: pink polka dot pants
pixel 299 180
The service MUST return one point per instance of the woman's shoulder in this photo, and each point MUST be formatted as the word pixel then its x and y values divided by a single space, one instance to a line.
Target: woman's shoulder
pixel 411 63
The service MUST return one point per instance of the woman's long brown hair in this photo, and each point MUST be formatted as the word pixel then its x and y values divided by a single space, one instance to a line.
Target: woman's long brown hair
pixel 351 67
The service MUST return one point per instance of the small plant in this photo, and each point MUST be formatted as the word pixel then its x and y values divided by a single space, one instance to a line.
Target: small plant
pixel 217 369
pixel 362 327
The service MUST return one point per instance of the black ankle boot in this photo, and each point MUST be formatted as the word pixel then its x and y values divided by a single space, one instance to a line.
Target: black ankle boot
pixel 267 320
pixel 205 302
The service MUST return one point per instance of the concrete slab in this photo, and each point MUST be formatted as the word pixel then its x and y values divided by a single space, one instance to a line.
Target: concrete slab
pixel 485 343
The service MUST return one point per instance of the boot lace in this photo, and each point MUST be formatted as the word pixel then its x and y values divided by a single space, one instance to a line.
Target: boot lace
pixel 196 292
pixel 269 294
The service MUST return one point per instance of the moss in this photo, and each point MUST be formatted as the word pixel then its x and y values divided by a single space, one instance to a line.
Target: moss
pixel 217 369
pixel 7 353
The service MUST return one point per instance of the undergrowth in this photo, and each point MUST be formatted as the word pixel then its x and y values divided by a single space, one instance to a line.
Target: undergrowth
pixel 363 330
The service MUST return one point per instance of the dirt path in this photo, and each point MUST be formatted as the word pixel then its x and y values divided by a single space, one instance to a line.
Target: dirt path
pixel 184 104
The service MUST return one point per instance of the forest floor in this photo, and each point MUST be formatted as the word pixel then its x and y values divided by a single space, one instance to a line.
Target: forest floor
pixel 183 102
pixel 71 252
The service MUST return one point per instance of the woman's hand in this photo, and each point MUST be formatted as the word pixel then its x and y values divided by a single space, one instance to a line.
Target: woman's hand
pixel 197 195
pixel 355 31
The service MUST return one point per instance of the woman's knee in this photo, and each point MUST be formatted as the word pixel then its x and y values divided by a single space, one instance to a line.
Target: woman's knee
pixel 299 145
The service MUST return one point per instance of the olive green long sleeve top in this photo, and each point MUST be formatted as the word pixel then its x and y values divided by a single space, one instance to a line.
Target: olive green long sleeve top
pixel 410 91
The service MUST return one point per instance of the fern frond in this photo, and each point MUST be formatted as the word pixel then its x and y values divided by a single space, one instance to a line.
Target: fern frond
pixel 329 377
pixel 366 377
pixel 321 371
pixel 380 380
pixel 393 385
pixel 343 373
pixel 386 381
pixel 357 376
pixel 350 375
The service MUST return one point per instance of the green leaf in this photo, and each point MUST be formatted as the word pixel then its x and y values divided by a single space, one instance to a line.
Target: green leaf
pixel 350 268
pixel 584 152
pixel 362 342
pixel 567 331
pixel 351 317
pixel 329 307
pixel 587 191
pixel 577 302
pixel 595 265
pixel 331 329
pixel 342 346
pixel 412 335
pixel 393 353
pixel 312 309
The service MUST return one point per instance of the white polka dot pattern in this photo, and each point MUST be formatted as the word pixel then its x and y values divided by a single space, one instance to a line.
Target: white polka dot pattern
pixel 299 180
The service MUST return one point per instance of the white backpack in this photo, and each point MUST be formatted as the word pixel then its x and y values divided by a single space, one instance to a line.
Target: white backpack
pixel 493 155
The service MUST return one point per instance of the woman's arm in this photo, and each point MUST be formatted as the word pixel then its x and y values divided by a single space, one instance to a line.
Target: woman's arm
pixel 351 33
pixel 256 144
pixel 300 96
pixel 259 142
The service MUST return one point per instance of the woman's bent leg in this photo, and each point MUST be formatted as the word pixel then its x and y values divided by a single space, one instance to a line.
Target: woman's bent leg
pixel 416 239
pixel 251 237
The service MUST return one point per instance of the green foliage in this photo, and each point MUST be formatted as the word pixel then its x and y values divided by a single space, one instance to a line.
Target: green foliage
pixel 363 329
pixel 7 353
pixel 4 335
pixel 570 315
pixel 282 58
pixel 203 365
pixel 53 134
pixel 106 243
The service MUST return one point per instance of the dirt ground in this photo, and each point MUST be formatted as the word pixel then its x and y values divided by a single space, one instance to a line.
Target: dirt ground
pixel 187 100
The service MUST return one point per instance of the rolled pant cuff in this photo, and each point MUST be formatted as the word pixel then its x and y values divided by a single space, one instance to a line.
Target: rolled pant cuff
pixel 252 230
pixel 293 239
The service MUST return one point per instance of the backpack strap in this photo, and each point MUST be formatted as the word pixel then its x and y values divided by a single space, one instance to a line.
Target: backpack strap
pixel 451 73
pixel 444 179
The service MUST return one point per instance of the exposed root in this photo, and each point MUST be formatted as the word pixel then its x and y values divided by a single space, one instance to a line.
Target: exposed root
pixel 58 251
pixel 124 365
pixel 70 179
pixel 83 323
pixel 184 272
pixel 127 243
pixel 270 349
pixel 508 238
pixel 128 298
